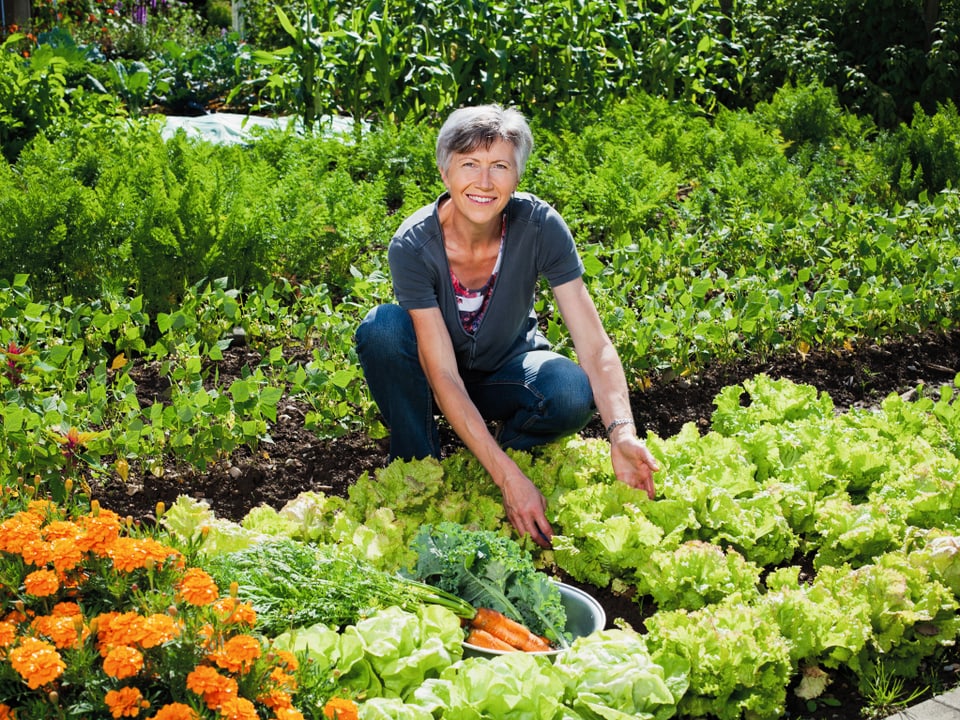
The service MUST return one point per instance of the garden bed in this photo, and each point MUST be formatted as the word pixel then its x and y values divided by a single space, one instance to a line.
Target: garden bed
pixel 296 461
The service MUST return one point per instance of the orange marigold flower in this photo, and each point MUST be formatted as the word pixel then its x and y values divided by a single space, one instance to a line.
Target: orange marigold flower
pixel 122 662
pixel 8 633
pixel 283 679
pixel 41 583
pixel 125 702
pixel 129 554
pixel 15 616
pixel 65 554
pixel 99 531
pixel 66 609
pixel 341 709
pixel 213 687
pixel 102 623
pixel 203 678
pixel 42 508
pixel 37 661
pixel 119 629
pixel 238 708
pixel 287 659
pixel 175 711
pixel 158 629
pixel 7 712
pixel 276 699
pixel 233 612
pixel 238 654
pixel 198 588
pixel 36 551
pixel 64 630
pixel 16 531
pixel 289 714
pixel 60 530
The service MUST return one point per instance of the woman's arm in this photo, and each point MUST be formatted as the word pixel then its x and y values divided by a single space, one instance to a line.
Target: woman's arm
pixel 632 462
pixel 523 502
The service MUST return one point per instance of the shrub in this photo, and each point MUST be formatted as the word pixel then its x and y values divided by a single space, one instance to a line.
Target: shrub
pixel 924 155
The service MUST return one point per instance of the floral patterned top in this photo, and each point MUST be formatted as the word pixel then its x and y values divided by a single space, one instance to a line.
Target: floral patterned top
pixel 472 304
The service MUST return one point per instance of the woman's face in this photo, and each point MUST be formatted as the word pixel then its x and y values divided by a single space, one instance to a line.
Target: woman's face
pixel 481 181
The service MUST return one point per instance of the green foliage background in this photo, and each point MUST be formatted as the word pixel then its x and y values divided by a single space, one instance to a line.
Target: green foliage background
pixel 388 60
pixel 728 197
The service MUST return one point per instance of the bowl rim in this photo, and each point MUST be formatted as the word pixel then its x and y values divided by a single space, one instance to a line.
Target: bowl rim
pixel 571 589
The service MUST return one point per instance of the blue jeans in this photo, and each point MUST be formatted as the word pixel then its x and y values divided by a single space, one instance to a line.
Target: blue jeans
pixel 536 397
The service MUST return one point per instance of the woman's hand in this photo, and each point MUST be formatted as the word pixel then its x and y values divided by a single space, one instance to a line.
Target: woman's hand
pixel 525 506
pixel 632 461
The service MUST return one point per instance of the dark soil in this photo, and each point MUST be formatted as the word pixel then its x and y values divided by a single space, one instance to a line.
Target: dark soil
pixel 297 460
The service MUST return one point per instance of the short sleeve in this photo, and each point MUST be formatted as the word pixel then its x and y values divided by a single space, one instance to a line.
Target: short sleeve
pixel 414 281
pixel 559 261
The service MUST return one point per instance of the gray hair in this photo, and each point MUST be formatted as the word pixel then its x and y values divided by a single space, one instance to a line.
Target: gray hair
pixel 470 128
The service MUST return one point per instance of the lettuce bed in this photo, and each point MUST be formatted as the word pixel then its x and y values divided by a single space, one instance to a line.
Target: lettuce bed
pixel 868 497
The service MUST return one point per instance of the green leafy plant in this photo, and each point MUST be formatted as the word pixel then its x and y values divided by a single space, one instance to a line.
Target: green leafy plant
pixel 294 585
pixel 489 570
pixel 697 574
pixel 739 662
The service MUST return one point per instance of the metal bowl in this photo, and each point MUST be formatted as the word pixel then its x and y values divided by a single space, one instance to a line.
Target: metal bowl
pixel 584 616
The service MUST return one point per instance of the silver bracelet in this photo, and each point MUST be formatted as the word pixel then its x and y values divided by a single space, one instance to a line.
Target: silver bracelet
pixel 617 423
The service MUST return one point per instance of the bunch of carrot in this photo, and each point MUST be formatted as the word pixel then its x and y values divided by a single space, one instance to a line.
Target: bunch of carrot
pixel 493 630
pixel 488 628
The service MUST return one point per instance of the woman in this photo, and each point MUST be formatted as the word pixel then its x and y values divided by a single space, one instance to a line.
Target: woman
pixel 464 337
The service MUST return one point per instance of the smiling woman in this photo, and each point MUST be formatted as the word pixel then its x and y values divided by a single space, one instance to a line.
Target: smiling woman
pixel 464 340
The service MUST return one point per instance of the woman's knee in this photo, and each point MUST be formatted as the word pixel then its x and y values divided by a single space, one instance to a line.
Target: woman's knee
pixel 384 328
pixel 571 402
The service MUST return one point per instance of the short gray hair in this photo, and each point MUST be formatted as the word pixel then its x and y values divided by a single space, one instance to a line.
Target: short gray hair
pixel 470 128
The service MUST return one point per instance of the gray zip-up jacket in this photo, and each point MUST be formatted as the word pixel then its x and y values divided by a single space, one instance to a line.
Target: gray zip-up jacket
pixel 538 244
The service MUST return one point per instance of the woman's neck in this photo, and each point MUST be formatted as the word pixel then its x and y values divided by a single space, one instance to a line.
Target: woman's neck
pixel 459 231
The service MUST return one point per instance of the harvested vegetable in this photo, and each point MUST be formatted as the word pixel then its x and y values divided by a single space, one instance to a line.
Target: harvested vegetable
pixel 508 631
pixel 490 570
pixel 483 639
pixel 292 584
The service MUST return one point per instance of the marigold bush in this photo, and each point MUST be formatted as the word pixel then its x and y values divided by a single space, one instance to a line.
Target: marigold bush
pixel 98 622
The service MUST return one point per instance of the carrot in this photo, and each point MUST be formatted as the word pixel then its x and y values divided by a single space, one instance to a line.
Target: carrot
pixel 510 631
pixel 481 638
